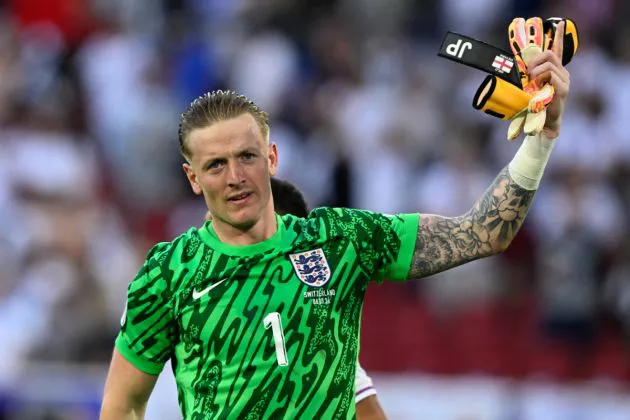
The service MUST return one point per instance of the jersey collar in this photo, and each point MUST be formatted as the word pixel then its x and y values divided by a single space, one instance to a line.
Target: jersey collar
pixel 209 236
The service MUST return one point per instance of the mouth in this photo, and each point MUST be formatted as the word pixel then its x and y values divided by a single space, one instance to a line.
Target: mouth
pixel 239 198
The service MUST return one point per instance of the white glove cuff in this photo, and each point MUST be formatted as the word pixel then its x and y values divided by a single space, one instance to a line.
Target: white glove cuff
pixel 528 165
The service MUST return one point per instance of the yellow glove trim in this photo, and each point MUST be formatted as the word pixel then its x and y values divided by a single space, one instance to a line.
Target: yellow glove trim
pixel 500 99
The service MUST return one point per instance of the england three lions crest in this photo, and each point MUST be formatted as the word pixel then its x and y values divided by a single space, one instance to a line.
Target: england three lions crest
pixel 311 267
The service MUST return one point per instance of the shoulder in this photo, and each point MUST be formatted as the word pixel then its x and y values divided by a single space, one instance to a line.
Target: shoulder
pixel 360 227
pixel 345 220
pixel 340 215
pixel 319 226
pixel 350 215
pixel 328 223
pixel 165 259
pixel 188 243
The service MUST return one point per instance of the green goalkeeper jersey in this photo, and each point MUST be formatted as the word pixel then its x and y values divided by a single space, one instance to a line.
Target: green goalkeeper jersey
pixel 264 331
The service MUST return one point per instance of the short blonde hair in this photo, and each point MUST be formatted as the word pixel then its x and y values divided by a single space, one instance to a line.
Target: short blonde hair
pixel 218 106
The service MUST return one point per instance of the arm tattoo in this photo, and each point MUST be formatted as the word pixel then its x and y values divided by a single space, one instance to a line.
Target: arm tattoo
pixel 486 229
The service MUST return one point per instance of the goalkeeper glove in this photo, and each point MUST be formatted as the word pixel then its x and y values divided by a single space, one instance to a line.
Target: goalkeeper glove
pixel 525 107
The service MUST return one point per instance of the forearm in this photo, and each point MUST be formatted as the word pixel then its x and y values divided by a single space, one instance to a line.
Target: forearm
pixel 489 227
pixel 370 409
pixel 486 229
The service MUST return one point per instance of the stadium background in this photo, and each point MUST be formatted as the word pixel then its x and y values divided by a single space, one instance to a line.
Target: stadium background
pixel 365 115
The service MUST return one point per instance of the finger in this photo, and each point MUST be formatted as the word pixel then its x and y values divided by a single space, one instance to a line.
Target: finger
pixel 553 79
pixel 550 63
pixel 541 72
pixel 560 85
pixel 558 40
pixel 545 57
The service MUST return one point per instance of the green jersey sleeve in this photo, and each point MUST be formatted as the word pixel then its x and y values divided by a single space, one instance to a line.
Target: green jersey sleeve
pixel 147 325
pixel 396 238
pixel 384 243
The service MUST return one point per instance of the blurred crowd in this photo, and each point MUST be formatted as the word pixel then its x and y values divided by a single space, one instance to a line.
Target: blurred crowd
pixel 364 114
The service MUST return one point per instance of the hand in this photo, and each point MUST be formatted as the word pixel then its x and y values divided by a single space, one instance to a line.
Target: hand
pixel 547 68
pixel 541 49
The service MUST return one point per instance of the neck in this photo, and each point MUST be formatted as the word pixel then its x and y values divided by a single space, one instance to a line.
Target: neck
pixel 262 230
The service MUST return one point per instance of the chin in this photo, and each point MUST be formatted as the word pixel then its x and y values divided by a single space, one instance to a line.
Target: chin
pixel 244 224
pixel 244 219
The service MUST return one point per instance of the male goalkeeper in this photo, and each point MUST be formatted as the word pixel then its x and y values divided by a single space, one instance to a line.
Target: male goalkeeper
pixel 260 313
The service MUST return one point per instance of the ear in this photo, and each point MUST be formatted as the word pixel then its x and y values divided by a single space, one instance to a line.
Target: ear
pixel 273 159
pixel 192 178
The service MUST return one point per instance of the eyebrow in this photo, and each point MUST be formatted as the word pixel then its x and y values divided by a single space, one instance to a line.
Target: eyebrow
pixel 249 149
pixel 212 160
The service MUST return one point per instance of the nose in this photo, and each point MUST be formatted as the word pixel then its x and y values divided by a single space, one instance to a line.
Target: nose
pixel 235 174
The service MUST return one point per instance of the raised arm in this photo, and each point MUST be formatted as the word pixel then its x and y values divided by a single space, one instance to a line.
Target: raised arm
pixel 489 227
pixel 486 229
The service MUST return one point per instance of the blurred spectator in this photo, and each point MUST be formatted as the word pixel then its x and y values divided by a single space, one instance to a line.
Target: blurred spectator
pixel 617 290
pixel 364 115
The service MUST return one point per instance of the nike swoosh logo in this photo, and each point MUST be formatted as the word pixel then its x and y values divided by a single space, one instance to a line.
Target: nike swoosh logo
pixel 196 295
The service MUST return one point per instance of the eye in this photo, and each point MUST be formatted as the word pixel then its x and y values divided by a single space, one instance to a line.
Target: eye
pixel 248 156
pixel 214 165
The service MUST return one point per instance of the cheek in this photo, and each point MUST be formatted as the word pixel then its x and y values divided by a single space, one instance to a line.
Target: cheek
pixel 210 188
pixel 260 176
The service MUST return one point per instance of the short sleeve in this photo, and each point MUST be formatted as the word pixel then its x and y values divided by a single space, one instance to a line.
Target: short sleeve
pixel 147 325
pixel 396 237
pixel 384 243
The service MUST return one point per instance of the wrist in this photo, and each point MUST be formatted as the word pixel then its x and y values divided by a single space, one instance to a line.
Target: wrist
pixel 551 131
pixel 529 162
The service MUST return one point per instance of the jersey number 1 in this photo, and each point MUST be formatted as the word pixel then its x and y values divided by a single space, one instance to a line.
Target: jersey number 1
pixel 273 320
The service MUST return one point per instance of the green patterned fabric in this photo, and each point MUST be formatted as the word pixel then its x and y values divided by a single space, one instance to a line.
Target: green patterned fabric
pixel 269 330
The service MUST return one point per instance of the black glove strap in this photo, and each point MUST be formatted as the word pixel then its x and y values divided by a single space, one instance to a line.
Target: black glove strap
pixel 480 55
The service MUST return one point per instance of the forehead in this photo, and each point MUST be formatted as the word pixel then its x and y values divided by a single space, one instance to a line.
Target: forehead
pixel 224 137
